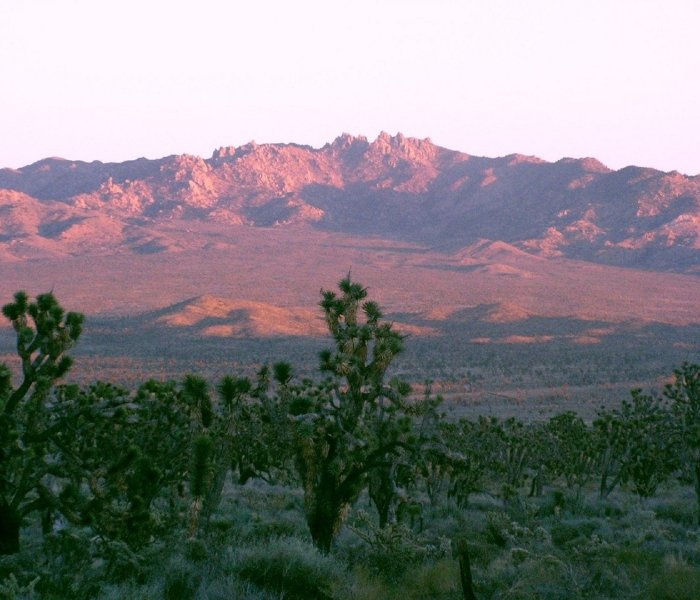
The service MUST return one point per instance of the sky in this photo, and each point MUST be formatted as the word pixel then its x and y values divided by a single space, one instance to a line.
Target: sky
pixel 618 80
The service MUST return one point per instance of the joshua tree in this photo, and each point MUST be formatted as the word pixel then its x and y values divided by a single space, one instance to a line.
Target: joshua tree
pixel 571 449
pixel 44 334
pixel 684 394
pixel 354 423
pixel 635 444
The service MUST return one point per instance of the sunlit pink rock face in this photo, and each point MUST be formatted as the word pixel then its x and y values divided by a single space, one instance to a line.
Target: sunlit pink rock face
pixel 441 232
pixel 395 187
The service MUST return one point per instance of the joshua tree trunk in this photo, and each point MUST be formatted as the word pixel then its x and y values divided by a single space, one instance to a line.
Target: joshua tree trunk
pixel 537 483
pixel 465 570
pixel 324 516
pixel 213 499
pixel 382 492
pixel 9 530
pixel 326 502
pixel 697 487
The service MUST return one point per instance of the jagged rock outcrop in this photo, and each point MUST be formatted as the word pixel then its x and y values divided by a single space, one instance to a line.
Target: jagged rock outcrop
pixel 395 187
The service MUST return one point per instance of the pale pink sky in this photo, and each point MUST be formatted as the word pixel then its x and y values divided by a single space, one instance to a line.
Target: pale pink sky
pixel 113 80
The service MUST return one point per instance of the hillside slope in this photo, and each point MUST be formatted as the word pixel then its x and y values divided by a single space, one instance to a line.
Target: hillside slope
pixel 394 187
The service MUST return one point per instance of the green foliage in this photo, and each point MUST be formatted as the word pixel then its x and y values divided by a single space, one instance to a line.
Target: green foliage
pixel 69 571
pixel 572 532
pixel 291 568
pixel 122 455
pixel 131 493
pixel 635 445
pixel 140 462
pixel 200 465
pixel 180 585
pixel 11 589
pixel 468 452
pixel 129 458
pixel 676 580
pixel 504 531
pixel 654 457
pixel 684 396
pixel 390 551
pixel 354 424
pixel 513 447
pixel 44 334
pixel 253 428
pixel 570 450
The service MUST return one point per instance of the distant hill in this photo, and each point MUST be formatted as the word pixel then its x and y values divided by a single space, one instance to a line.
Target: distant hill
pixel 212 316
pixel 394 188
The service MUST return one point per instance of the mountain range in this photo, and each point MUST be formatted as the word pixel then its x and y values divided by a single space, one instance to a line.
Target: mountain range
pixel 395 188
pixel 510 250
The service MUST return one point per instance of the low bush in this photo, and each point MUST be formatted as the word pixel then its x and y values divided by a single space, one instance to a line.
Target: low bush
pixel 683 513
pixel 392 550
pixel 292 568
pixel 675 581
pixel 567 532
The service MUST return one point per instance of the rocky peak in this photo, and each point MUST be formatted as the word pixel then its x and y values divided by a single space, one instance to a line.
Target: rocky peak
pixel 184 167
pixel 223 153
pixel 346 148
pixel 248 148
pixel 395 185
pixel 346 141
pixel 403 147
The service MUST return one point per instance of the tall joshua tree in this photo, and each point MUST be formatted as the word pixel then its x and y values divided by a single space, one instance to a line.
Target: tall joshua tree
pixel 684 396
pixel 44 334
pixel 355 422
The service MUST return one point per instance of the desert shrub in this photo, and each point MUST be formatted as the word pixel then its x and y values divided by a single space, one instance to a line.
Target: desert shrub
pixel 497 527
pixel 227 588
pixel 606 508
pixel 485 501
pixel 197 550
pixel 11 589
pixel 180 585
pixel 68 568
pixel 438 579
pixel 18 575
pixel 568 532
pixel 535 576
pixel 291 567
pixel 278 525
pixel 392 550
pixel 259 514
pixel 221 527
pixel 122 563
pixel 60 565
pixel 120 591
pixel 180 573
pixel 502 531
pixel 366 586
pixel 552 504
pixel 434 580
pixel 265 530
pixel 676 581
pixel 682 513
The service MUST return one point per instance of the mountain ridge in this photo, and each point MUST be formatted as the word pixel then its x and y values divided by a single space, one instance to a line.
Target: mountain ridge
pixel 394 187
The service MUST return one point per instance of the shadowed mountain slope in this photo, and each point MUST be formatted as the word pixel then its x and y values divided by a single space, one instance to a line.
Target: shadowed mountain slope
pixel 394 187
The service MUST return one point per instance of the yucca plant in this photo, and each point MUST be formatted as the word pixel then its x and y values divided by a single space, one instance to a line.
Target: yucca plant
pixel 45 332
